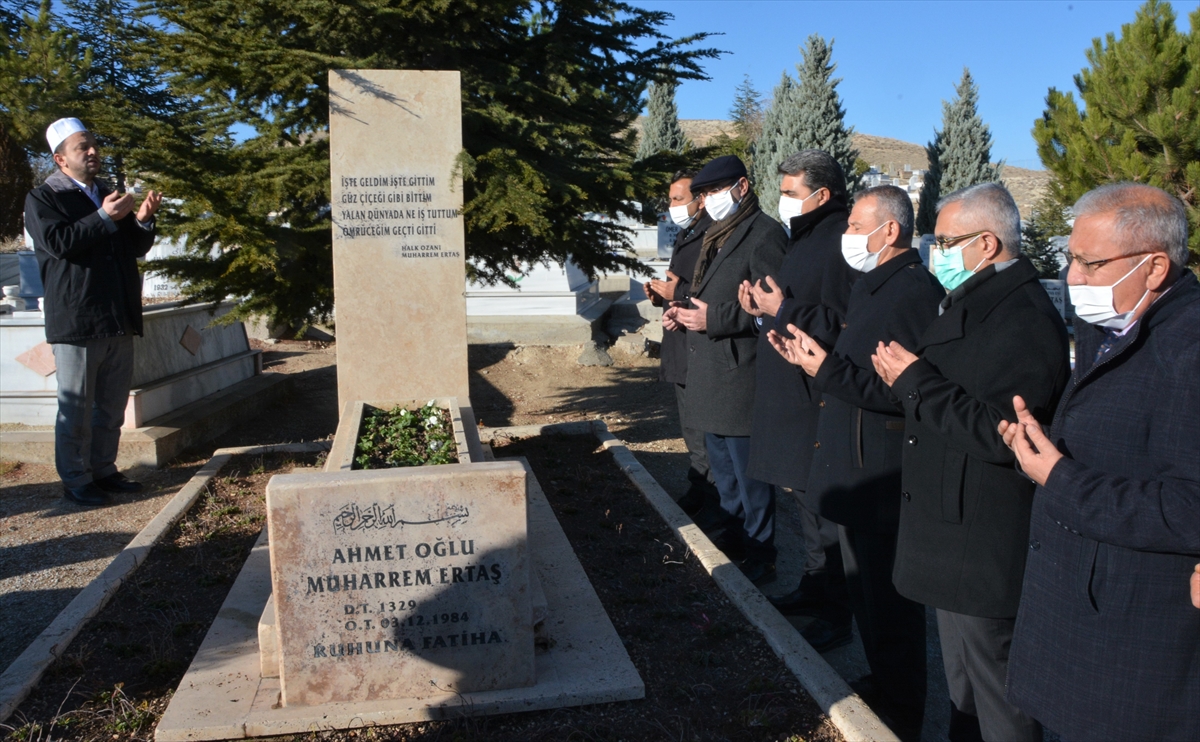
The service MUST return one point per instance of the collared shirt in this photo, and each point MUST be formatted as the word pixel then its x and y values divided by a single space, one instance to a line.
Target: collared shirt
pixel 93 192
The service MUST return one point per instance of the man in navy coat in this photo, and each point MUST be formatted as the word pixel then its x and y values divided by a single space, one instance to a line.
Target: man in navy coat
pixel 1107 642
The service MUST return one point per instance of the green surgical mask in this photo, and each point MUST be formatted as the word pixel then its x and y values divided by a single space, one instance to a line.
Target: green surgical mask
pixel 948 266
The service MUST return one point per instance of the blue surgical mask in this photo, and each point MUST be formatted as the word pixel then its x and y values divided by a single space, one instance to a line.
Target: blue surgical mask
pixel 948 266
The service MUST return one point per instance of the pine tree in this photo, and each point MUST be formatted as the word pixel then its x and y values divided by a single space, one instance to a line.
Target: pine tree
pixel 822 120
pixel 747 111
pixel 123 95
pixel 548 100
pixel 931 190
pixel 1048 221
pixel 966 147
pixel 1142 117
pixel 777 141
pixel 41 68
pixel 661 131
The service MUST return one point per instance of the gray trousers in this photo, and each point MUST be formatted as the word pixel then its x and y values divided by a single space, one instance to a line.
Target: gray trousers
pixel 93 390
pixel 975 654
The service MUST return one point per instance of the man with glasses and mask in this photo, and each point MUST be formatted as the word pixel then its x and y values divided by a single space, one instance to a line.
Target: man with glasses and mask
pixel 687 212
pixel 1107 643
pixel 964 509
pixel 811 290
pixel 742 244
pixel 855 475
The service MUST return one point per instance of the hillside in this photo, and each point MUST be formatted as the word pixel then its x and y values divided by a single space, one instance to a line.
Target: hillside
pixel 889 155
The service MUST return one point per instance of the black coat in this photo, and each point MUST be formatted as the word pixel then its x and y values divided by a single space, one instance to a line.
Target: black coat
pixel 93 288
pixel 816 282
pixel 720 383
pixel 855 476
pixel 964 514
pixel 1107 643
pixel 673 351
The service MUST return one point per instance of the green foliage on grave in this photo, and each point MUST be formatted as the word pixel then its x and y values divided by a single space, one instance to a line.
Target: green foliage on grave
pixel 550 93
pixel 1048 220
pixel 402 437
pixel 806 113
pixel 1141 123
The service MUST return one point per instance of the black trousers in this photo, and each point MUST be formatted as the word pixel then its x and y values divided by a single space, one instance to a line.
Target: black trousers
pixel 892 627
pixel 698 473
pixel 975 654
pixel 823 570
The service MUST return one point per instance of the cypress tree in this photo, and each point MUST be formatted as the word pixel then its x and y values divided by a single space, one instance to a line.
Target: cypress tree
pixel 964 157
pixel 821 122
pixel 1047 221
pixel 662 132
pixel 931 190
pixel 1142 117
pixel 548 100
pixel 777 141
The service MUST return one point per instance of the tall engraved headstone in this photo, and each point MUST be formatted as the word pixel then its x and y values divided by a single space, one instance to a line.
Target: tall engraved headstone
pixel 398 244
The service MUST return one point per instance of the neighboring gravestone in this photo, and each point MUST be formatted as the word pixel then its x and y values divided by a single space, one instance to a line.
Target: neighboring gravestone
pixel 398 244
pixel 401 583
pixel 1058 294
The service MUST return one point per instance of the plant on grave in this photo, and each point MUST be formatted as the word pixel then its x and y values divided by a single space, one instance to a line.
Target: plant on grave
pixel 403 437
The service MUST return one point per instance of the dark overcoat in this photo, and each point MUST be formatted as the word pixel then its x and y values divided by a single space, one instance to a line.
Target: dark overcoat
pixel 90 275
pixel 674 351
pixel 815 280
pixel 1107 643
pixel 855 476
pixel 964 510
pixel 720 394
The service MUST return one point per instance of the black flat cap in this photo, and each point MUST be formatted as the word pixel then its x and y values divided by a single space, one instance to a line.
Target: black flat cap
pixel 721 170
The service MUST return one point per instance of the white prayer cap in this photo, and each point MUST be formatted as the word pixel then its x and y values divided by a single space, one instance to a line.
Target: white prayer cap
pixel 62 129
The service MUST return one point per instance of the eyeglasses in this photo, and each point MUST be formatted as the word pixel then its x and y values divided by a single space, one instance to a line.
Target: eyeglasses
pixel 944 243
pixel 1089 267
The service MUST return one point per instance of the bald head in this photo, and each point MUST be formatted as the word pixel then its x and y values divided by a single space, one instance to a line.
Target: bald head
pixel 1143 218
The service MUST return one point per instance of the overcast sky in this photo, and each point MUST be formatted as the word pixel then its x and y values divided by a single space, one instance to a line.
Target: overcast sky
pixel 899 60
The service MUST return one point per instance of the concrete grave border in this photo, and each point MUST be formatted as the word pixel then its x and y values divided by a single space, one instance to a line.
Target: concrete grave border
pixel 22 676
pixel 852 717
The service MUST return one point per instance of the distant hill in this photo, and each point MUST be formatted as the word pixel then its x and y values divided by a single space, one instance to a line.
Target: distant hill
pixel 890 155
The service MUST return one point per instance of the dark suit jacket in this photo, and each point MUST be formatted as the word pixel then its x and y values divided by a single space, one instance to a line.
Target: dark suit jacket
pixel 816 282
pixel 855 476
pixel 720 383
pixel 93 288
pixel 1107 643
pixel 673 351
pixel 964 514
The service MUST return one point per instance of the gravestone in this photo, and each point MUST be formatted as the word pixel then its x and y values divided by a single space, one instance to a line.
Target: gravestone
pixel 401 583
pixel 398 244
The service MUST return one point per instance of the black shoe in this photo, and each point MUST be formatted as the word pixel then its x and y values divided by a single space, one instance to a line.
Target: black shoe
pixel 824 636
pixel 118 482
pixel 711 519
pixel 803 601
pixel 759 571
pixel 732 544
pixel 692 502
pixel 88 494
pixel 866 689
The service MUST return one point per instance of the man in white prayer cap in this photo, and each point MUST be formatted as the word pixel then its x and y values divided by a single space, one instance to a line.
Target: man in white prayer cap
pixel 88 240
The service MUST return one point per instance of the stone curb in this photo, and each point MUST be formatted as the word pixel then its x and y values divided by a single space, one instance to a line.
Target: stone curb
pixel 26 670
pixel 852 717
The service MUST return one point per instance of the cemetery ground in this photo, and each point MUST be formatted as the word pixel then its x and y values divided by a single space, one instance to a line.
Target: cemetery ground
pixel 708 673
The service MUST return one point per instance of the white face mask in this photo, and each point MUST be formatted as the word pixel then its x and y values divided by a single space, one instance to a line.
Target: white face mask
pixel 680 215
pixel 1095 304
pixel 854 250
pixel 792 207
pixel 721 204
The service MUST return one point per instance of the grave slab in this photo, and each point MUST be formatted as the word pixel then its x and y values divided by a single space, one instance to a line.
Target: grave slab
pixel 396 583
pixel 224 696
